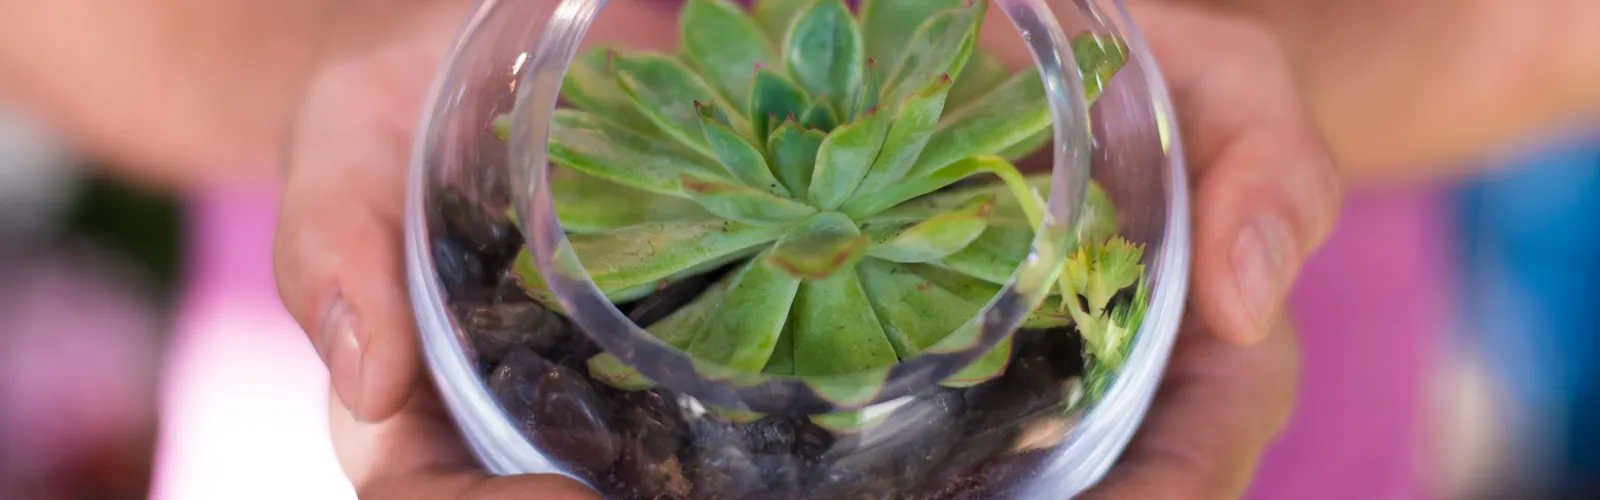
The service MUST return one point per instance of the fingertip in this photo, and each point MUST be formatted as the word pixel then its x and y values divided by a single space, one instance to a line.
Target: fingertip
pixel 1245 261
pixel 391 364
pixel 339 277
pixel 386 380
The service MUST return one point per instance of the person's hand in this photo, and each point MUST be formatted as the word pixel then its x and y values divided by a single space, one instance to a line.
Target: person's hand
pixel 1258 164
pixel 1265 195
pixel 339 267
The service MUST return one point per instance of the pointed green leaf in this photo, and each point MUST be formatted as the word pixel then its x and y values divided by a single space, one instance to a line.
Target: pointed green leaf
pixel 986 368
pixel 940 46
pixel 600 149
pixel 645 254
pixel 745 329
pixel 726 45
pixel 1099 58
pixel 835 330
pixel 680 328
pixel 527 275
pixel 782 361
pixel 589 86
pixel 915 313
pixel 913 125
pixel 1027 147
pixel 824 53
pixel 995 255
pixel 773 100
pixel 935 238
pixel 793 152
pixel 983 73
pixel 818 249
pixel 742 160
pixel 888 25
pixel 844 158
pixel 868 94
pixel 666 92
pixel 979 291
pixel 870 203
pixel 611 371
pixel 745 204
pixel 776 16
pixel 849 389
pixel 1116 267
pixel 820 115
pixel 589 205
pixel 1097 221
pixel 1011 114
pixel 737 417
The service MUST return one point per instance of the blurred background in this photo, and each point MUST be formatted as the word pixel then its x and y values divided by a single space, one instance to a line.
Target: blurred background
pixel 1449 332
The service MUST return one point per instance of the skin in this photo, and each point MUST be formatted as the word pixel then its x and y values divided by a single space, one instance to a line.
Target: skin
pixel 333 98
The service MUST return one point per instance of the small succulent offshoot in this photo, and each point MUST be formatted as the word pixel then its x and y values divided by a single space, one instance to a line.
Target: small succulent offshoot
pixel 813 149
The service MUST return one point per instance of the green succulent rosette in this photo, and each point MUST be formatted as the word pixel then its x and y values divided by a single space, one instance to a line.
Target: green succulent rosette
pixel 814 150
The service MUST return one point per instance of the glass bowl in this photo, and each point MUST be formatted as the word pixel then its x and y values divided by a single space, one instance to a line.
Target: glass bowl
pixel 966 286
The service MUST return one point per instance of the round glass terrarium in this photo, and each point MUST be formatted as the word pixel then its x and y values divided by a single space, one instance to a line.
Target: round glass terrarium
pixel 799 248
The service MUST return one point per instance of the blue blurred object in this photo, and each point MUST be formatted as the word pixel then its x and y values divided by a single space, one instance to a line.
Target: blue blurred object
pixel 1531 282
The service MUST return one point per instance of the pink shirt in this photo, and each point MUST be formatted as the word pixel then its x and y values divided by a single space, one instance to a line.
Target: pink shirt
pixel 244 397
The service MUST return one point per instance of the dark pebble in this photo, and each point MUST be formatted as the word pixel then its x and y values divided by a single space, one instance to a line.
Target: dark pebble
pixel 812 443
pixel 771 435
pixel 557 409
pixel 653 423
pixel 486 229
pixel 510 291
pixel 496 329
pixel 650 467
pixel 575 351
pixel 641 476
pixel 460 270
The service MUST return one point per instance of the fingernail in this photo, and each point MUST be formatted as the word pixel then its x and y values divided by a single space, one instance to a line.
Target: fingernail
pixel 1260 263
pixel 341 343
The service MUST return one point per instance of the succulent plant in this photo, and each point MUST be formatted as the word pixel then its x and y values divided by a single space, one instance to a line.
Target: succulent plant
pixel 813 151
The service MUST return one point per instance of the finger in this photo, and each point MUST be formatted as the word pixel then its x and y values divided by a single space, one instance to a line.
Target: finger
pixel 337 250
pixel 418 454
pixel 1266 191
pixel 1219 407
pixel 338 245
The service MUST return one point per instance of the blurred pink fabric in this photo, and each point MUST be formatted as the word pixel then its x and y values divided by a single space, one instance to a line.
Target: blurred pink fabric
pixel 244 397
pixel 1372 310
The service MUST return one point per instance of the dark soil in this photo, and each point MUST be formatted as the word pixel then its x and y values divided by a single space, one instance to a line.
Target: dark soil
pixel 944 444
